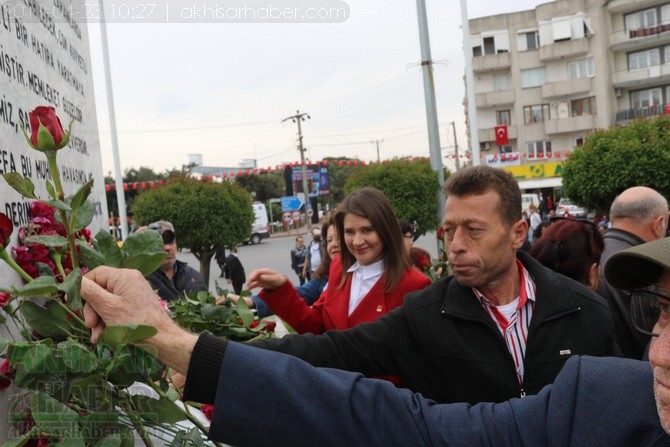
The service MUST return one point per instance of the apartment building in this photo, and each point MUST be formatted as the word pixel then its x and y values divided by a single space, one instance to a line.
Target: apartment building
pixel 545 78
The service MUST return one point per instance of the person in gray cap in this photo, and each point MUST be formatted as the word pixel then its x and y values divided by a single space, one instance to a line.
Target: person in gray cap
pixel 593 401
pixel 173 277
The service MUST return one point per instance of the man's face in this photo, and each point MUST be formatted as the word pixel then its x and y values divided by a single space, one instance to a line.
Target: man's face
pixel 659 356
pixel 480 246
pixel 316 235
pixel 170 247
pixel 300 242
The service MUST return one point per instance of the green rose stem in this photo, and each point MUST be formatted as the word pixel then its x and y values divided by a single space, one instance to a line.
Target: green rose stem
pixel 16 267
pixel 137 423
pixel 55 174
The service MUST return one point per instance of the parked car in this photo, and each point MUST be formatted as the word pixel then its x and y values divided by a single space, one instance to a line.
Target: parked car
pixel 566 207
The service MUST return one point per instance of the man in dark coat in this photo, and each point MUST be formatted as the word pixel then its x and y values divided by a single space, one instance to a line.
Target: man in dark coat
pixel 173 278
pixel 638 215
pixel 502 326
pixel 234 272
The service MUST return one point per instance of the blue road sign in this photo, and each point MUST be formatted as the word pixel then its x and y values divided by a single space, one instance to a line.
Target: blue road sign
pixel 290 203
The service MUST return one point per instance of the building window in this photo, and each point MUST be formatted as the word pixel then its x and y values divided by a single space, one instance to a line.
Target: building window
pixel 579 141
pixel 508 149
pixel 581 69
pixel 644 59
pixel 533 77
pixel 536 113
pixel 500 82
pixel 646 98
pixel 528 40
pixel 641 19
pixel 583 106
pixel 538 149
pixel 503 117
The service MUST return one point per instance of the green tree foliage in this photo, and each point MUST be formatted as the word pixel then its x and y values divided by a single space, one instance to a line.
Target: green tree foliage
pixel 411 186
pixel 339 169
pixel 205 215
pixel 266 186
pixel 614 159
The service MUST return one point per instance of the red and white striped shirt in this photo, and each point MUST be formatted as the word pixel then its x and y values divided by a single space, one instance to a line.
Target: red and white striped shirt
pixel 514 327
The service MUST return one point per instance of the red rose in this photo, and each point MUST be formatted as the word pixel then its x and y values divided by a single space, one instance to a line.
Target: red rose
pixel 269 326
pixel 6 229
pixel 47 133
pixel 5 372
pixel 440 233
pixel 207 410
pixel 4 298
pixel 423 262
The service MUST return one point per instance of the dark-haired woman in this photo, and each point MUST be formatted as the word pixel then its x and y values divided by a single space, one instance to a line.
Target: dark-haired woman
pixel 369 279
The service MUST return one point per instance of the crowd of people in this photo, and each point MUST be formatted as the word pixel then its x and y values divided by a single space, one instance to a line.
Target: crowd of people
pixel 537 318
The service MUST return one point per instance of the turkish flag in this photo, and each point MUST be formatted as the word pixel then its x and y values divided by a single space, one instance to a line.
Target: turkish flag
pixel 501 135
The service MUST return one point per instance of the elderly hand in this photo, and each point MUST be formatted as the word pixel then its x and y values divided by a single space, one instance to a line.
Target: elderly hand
pixel 122 296
pixel 267 279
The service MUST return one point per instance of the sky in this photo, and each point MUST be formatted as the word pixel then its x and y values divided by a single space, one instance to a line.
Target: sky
pixel 222 89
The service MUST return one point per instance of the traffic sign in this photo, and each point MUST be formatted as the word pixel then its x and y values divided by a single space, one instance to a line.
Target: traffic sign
pixel 286 217
pixel 290 203
pixel 310 212
pixel 296 215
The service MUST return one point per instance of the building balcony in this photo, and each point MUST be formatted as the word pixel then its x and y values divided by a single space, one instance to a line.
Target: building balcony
pixel 568 125
pixel 622 6
pixel 488 136
pixel 566 88
pixel 640 78
pixel 491 62
pixel 494 99
pixel 623 40
pixel 567 48
pixel 623 116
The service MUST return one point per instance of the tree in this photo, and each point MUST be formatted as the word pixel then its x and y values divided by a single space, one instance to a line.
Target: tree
pixel 612 160
pixel 411 186
pixel 205 215
pixel 266 186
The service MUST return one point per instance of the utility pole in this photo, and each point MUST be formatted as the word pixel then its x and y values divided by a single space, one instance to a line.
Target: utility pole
pixel 458 163
pixel 298 118
pixel 376 142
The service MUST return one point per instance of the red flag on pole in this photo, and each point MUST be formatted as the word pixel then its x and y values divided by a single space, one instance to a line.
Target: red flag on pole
pixel 501 135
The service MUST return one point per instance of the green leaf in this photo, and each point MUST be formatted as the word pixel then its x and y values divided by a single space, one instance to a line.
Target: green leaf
pixel 45 323
pixel 107 246
pixel 72 286
pixel 23 439
pixel 158 410
pixel 77 357
pixel 40 286
pixel 23 186
pixel 115 336
pixel 53 417
pixel 51 190
pixel 133 364
pixel 55 241
pixel 183 437
pixel 59 205
pixel 81 195
pixel 84 215
pixel 71 442
pixel 35 364
pixel 143 251
pixel 45 141
pixel 244 312
pixel 89 257
pixel 89 389
pixel 44 270
pixel 109 441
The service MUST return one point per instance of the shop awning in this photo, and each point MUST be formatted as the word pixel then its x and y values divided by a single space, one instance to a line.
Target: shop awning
pixel 537 183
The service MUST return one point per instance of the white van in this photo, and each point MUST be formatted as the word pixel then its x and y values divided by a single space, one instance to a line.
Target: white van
pixel 260 229
pixel 527 200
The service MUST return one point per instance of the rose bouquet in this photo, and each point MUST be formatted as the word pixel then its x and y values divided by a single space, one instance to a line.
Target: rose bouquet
pixel 71 392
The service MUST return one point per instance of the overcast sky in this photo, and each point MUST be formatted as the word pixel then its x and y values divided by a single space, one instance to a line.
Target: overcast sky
pixel 222 89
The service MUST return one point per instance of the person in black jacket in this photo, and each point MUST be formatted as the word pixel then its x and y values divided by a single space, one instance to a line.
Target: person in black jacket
pixel 501 326
pixel 173 278
pixel 234 272
pixel 639 214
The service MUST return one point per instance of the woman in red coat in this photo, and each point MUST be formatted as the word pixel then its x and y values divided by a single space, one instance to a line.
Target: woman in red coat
pixel 369 278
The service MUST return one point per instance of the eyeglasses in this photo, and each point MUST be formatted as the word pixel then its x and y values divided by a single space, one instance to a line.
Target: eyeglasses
pixel 408 236
pixel 649 311
pixel 167 235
